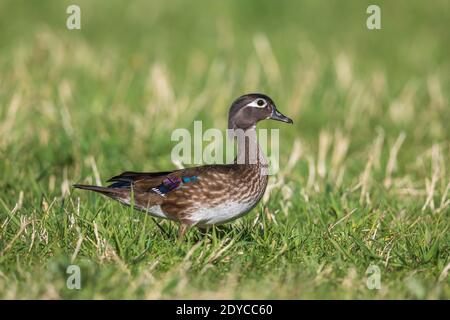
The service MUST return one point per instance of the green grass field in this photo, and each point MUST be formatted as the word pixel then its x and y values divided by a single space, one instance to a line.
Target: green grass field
pixel 364 174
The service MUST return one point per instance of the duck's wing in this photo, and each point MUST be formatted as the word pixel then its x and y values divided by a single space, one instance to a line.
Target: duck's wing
pixel 128 178
pixel 159 182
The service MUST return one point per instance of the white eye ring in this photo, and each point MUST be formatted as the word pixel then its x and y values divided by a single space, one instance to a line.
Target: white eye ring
pixel 258 103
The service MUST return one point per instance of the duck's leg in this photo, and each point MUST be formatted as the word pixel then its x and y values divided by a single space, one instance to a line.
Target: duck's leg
pixel 160 227
pixel 182 231
pixel 203 230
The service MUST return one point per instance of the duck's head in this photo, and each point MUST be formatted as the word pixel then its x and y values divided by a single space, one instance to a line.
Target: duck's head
pixel 250 108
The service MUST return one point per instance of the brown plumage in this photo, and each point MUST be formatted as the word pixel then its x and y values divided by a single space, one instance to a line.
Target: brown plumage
pixel 206 195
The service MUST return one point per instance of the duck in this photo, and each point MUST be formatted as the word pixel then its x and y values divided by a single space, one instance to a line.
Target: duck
pixel 208 195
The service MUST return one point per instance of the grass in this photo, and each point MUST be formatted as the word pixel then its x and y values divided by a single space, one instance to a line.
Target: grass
pixel 364 172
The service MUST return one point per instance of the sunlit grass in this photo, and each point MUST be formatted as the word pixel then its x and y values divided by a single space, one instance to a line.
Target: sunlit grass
pixel 364 173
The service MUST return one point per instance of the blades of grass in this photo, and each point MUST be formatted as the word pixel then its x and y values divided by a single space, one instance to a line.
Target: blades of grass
pixel 365 248
pixel 10 214
pixel 342 250
pixel 432 252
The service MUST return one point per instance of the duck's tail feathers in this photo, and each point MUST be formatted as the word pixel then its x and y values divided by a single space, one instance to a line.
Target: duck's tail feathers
pixel 104 190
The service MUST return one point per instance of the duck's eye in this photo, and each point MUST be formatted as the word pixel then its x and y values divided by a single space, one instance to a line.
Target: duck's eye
pixel 260 102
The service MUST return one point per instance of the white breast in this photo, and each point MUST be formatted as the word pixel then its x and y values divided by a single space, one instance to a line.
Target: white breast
pixel 204 216
pixel 222 213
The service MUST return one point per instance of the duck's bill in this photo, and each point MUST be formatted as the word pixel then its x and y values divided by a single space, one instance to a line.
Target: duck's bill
pixel 276 115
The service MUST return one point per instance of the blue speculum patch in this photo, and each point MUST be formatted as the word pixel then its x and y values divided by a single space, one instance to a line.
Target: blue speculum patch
pixel 169 184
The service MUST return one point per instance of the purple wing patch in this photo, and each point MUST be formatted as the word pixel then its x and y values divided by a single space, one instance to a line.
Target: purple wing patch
pixel 170 184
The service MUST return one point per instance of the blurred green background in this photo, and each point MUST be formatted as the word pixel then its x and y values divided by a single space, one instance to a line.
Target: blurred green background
pixel 412 32
pixel 371 134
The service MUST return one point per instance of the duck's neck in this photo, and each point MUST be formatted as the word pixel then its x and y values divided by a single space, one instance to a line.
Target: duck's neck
pixel 248 149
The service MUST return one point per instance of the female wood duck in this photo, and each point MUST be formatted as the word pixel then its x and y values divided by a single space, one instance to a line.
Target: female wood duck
pixel 206 195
